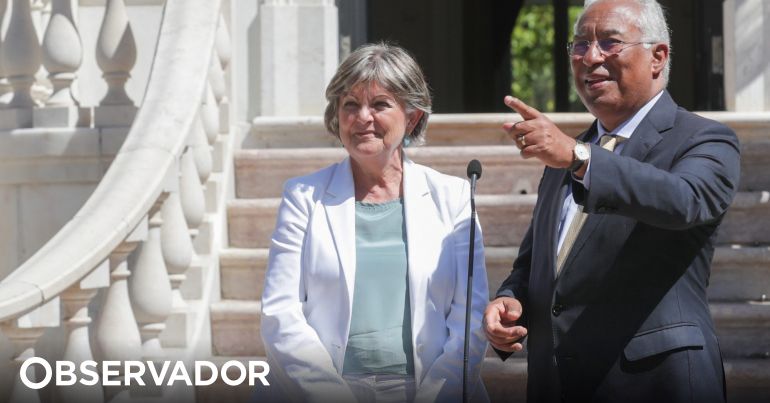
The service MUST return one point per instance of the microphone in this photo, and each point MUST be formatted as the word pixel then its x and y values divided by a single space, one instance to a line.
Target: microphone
pixel 474 173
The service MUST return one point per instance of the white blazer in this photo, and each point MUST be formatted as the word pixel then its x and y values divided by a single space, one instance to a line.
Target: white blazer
pixel 306 302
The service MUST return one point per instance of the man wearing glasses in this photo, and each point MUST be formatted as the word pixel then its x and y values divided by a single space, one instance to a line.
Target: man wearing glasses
pixel 610 281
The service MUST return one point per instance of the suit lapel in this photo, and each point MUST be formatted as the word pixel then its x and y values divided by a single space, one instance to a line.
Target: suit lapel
pixel 649 133
pixel 558 179
pixel 339 205
pixel 551 210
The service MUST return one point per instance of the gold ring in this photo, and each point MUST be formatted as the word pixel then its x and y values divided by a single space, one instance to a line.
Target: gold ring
pixel 523 140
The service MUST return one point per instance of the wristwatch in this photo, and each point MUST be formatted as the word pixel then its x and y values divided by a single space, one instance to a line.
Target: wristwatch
pixel 580 155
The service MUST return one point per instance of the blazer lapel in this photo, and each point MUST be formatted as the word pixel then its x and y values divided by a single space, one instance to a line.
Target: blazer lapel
pixel 339 205
pixel 421 225
pixel 424 233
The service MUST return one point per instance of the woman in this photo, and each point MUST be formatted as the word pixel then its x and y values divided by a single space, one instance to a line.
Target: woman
pixel 364 294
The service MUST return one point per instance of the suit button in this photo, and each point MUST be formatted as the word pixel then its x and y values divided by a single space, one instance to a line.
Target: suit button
pixel 557 309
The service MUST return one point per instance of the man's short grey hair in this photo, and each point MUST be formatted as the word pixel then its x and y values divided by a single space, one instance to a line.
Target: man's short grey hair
pixel 651 21
pixel 390 67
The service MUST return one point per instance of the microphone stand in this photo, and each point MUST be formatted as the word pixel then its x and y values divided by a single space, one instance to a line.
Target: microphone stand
pixel 474 172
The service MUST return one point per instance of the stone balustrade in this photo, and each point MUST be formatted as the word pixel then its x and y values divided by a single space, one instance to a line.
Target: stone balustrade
pixel 144 243
pixel 31 99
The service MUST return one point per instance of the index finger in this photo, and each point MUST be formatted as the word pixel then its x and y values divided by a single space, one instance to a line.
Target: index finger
pixel 527 112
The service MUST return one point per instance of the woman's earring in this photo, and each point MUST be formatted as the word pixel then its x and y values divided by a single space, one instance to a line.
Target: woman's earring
pixel 406 141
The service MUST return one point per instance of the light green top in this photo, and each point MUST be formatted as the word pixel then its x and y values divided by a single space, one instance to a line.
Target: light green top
pixel 380 339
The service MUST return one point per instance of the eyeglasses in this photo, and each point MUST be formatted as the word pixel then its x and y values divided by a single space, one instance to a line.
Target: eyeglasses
pixel 607 47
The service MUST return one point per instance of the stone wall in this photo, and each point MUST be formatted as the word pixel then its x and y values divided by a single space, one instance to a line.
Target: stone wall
pixel 747 55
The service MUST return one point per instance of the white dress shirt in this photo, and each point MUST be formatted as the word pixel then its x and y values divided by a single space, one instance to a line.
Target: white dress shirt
pixel 625 130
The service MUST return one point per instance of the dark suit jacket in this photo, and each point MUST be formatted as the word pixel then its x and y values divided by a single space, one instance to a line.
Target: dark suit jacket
pixel 627 319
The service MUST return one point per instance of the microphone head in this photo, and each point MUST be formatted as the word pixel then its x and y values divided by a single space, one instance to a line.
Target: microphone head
pixel 474 168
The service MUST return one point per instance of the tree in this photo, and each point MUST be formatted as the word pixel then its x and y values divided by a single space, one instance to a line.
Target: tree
pixel 532 42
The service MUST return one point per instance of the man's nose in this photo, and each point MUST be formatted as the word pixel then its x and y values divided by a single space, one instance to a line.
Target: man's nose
pixel 593 54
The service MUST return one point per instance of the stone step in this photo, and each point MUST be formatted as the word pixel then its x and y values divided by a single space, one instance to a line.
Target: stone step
pixel 743 328
pixel 505 382
pixel 242 273
pixel 235 328
pixel 738 274
pixel 251 222
pixel 504 219
pixel 748 381
pixel 443 129
pixel 464 130
pixel 262 172
pixel 748 219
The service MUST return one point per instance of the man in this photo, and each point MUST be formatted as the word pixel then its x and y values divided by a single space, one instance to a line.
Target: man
pixel 610 281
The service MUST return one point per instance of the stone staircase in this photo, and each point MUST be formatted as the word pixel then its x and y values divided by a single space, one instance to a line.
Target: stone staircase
pixel 279 149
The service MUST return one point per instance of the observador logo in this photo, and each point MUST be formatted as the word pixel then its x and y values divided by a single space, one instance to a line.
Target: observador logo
pixel 128 373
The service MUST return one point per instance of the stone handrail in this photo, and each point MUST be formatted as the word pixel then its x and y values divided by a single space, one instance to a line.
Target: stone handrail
pixel 153 199
pixel 135 180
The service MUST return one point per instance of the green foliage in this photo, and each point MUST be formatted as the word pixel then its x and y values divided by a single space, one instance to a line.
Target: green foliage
pixel 532 42
pixel 532 61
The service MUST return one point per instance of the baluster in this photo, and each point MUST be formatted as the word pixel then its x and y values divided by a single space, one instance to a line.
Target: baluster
pixel 78 348
pixel 21 57
pixel 117 334
pixel 223 45
pixel 209 113
pixel 21 54
pixel 75 301
pixel 201 151
pixel 191 192
pixel 23 340
pixel 62 53
pixel 224 50
pixel 193 199
pixel 62 56
pixel 149 288
pixel 41 88
pixel 116 52
pixel 5 88
pixel 116 56
pixel 40 10
pixel 217 78
pixel 218 87
pixel 177 249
